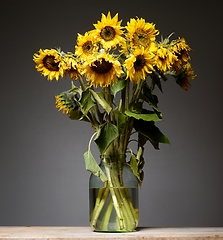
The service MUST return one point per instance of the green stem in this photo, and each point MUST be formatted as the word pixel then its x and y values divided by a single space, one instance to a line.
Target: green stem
pixel 114 197
pixel 121 200
pixel 127 95
pixel 136 91
pixel 123 92
pixel 97 210
pixel 125 203
pixel 82 83
pixel 107 215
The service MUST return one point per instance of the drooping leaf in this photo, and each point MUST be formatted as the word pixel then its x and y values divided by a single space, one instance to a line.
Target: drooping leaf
pixel 92 166
pixel 86 102
pixel 118 86
pixel 136 164
pixel 144 116
pixel 108 133
pixel 148 131
pixel 156 81
pixel 150 98
pixel 75 115
pixel 99 97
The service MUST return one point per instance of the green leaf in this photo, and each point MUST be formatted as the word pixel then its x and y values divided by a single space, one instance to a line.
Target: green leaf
pixel 150 98
pixel 136 107
pixel 92 166
pixel 144 116
pixel 86 102
pixel 136 165
pixel 118 86
pixel 156 81
pixel 108 133
pixel 75 115
pixel 148 131
pixel 99 97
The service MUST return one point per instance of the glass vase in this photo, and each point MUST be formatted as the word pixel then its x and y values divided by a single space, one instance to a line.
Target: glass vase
pixel 113 205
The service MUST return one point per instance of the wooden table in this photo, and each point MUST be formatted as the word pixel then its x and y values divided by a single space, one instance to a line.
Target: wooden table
pixel 70 233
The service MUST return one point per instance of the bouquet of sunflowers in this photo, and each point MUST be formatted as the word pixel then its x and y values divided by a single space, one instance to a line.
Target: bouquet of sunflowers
pixel 114 71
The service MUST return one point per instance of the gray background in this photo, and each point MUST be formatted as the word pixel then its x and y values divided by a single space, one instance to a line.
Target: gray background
pixel 42 173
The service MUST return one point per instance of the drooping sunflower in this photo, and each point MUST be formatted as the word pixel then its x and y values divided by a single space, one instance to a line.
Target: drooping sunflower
pixel 181 50
pixel 141 33
pixel 71 66
pixel 86 45
pixel 49 63
pixel 139 64
pixel 184 77
pixel 164 58
pixel 65 102
pixel 108 31
pixel 102 69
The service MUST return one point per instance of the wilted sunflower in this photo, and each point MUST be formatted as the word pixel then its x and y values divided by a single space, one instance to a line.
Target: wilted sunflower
pixel 185 76
pixel 102 69
pixel 65 102
pixel 181 50
pixel 49 63
pixel 108 31
pixel 141 33
pixel 164 58
pixel 71 66
pixel 86 45
pixel 139 64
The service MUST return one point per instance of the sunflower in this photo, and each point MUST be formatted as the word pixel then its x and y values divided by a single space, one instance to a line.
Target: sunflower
pixel 49 63
pixel 102 69
pixel 164 58
pixel 181 50
pixel 184 77
pixel 71 66
pixel 65 102
pixel 108 31
pixel 141 33
pixel 139 64
pixel 86 45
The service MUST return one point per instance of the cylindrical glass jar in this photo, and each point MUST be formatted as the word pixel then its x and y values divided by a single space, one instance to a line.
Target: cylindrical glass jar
pixel 113 205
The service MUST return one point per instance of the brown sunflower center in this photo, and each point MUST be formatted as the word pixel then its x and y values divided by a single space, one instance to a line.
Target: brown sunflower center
pixel 141 37
pixel 102 67
pixel 87 47
pixel 50 64
pixel 139 63
pixel 108 33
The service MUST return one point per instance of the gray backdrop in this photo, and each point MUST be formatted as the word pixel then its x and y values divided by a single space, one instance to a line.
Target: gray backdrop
pixel 42 173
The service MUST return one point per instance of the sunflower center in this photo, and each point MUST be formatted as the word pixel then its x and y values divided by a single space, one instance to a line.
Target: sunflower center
pixel 87 47
pixel 108 33
pixel 139 63
pixel 141 37
pixel 50 64
pixel 101 67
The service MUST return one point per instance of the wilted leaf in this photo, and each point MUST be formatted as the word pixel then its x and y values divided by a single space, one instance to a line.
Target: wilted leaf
pixel 92 166
pixel 108 133
pixel 136 166
pixel 99 97
pixel 87 102
pixel 148 131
